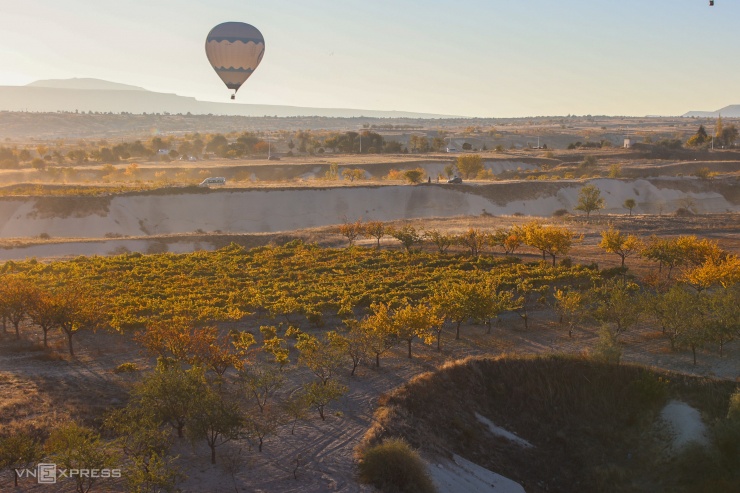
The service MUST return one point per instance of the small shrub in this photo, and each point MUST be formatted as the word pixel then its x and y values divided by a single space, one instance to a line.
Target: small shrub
pixel 315 317
pixel 702 173
pixel 734 411
pixel 589 162
pixel 485 174
pixel 683 212
pixel 607 350
pixel 671 143
pixel 126 368
pixel 413 175
pixel 394 174
pixel 560 213
pixel 44 236
pixel 394 467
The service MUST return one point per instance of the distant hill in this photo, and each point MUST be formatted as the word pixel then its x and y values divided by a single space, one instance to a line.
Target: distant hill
pixel 84 84
pixel 103 96
pixel 732 111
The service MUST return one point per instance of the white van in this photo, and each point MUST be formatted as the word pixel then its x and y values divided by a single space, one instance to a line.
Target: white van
pixel 214 180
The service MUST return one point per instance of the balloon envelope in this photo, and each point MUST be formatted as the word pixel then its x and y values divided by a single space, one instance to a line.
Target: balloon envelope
pixel 234 50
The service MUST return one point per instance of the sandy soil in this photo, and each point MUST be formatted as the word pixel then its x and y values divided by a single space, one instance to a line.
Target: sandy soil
pixel 684 424
pixel 462 476
pixel 502 432
pixel 280 210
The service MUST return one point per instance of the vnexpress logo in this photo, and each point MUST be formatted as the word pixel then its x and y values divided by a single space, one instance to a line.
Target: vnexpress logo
pixel 46 473
pixel 50 473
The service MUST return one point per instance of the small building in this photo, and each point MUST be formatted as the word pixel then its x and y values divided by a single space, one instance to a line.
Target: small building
pixel 627 143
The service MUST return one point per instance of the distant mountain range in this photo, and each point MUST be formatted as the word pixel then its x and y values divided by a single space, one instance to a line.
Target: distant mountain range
pixel 104 96
pixel 732 111
pixel 84 84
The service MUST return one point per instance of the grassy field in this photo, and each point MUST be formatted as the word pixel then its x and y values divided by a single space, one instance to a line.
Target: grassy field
pixel 592 427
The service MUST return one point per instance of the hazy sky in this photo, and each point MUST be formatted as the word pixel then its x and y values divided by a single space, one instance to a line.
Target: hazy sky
pixel 465 57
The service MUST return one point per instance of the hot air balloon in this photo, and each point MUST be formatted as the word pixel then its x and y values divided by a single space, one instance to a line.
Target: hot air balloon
pixel 234 50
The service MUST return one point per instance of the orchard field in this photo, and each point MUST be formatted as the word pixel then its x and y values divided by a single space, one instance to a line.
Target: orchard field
pixel 284 340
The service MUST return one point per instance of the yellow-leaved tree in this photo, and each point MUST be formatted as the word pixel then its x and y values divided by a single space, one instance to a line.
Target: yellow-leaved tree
pixel 469 165
pixel 681 251
pixel 724 272
pixel 548 239
pixel 571 305
pixel 379 330
pixel 412 321
pixel 624 245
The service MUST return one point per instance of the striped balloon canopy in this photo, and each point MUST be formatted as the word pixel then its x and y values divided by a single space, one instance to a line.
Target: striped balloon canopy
pixel 235 50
